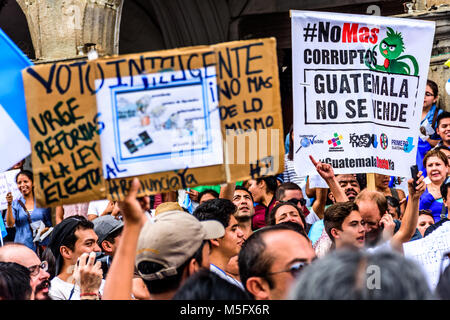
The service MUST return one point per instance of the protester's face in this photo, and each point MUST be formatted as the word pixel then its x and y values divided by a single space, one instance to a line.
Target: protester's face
pixel 288 213
pixel 447 154
pixel 444 129
pixel 206 197
pixel 393 212
pixel 232 241
pixel 424 222
pixel 293 194
pixel 371 215
pixel 243 201
pixel 352 233
pixel 350 185
pixel 429 98
pixel 40 282
pixel 382 181
pixel 287 248
pixel 24 184
pixel 256 190
pixel 86 242
pixel 436 169
pixel 115 245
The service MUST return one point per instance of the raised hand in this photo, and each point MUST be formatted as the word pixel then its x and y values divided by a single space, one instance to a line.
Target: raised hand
pixel 325 170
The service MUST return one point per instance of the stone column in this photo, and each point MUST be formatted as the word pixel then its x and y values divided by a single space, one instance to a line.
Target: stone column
pixel 64 29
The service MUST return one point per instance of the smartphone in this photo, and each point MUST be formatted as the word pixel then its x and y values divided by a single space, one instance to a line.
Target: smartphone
pixel 414 173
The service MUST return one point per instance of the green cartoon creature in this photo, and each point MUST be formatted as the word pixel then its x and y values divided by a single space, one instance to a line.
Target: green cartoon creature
pixel 390 48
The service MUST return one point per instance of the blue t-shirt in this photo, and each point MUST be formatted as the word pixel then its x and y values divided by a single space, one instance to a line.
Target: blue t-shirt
pixel 427 201
pixel 316 231
pixel 23 232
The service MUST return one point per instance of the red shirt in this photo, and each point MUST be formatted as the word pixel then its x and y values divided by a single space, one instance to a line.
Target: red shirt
pixel 261 211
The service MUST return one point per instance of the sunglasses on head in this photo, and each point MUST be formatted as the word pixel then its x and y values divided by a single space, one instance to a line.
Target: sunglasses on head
pixel 296 201
pixel 294 270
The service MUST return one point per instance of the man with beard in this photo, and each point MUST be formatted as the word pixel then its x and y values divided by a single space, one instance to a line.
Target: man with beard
pixel 39 277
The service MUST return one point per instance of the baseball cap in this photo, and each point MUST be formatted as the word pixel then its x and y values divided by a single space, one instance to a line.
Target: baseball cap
pixel 173 238
pixel 104 226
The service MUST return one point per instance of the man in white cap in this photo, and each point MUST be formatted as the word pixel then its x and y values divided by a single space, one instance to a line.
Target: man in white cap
pixel 173 248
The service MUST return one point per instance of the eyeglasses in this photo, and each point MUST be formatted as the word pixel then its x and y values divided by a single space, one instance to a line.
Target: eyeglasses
pixel 296 201
pixel 294 270
pixel 34 270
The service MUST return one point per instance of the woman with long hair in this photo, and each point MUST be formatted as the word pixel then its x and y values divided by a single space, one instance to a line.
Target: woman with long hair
pixel 23 214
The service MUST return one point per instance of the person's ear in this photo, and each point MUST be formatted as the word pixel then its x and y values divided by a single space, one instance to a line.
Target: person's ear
pixel 214 243
pixel 261 184
pixel 331 197
pixel 335 233
pixel 258 287
pixel 193 267
pixel 65 252
pixel 444 201
pixel 106 246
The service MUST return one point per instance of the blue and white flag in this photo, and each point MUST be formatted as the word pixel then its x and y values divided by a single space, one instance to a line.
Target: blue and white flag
pixel 3 231
pixel 14 136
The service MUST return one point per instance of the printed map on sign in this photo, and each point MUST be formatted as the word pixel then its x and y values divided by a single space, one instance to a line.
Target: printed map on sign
pixel 358 88
pixel 174 118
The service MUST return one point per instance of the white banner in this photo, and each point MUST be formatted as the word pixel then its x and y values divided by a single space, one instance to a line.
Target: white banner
pixel 358 90
pixel 8 184
pixel 430 252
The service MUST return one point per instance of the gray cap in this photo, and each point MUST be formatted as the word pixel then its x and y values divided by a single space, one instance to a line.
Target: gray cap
pixel 173 238
pixel 104 226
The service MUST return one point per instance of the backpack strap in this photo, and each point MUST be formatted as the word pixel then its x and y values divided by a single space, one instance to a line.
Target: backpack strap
pixel 28 214
pixel 443 212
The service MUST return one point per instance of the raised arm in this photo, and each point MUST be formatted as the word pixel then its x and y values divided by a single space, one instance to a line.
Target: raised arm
pixel 409 221
pixel 10 221
pixel 325 170
pixel 319 204
pixel 118 284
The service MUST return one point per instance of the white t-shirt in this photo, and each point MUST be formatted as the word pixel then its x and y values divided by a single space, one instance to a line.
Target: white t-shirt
pixel 97 207
pixel 62 290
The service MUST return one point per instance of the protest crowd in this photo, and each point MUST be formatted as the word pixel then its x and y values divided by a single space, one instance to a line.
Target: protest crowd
pixel 272 237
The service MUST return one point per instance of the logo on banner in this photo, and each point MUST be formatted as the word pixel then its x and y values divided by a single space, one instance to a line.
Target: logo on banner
pixel 335 142
pixel 391 48
pixel 363 140
pixel 307 140
pixel 404 145
pixel 383 141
